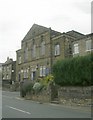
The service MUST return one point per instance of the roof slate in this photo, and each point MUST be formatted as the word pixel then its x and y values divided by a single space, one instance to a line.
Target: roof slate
pixel 75 34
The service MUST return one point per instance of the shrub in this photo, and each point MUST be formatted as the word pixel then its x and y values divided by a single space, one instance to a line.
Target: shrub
pixel 37 87
pixel 74 71
pixel 26 87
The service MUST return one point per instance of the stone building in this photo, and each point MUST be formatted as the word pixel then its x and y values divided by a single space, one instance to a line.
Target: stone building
pixel 34 57
pixel 9 71
pixel 83 46
pixel 40 48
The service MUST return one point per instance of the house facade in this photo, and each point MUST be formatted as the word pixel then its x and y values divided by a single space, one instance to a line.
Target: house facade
pixel 83 46
pixel 34 57
pixel 40 49
pixel 9 71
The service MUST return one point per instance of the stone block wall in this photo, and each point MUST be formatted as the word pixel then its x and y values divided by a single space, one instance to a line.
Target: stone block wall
pixel 75 95
pixel 43 96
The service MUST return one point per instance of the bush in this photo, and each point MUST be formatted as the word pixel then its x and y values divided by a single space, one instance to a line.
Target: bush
pixel 47 80
pixel 74 71
pixel 25 87
pixel 37 87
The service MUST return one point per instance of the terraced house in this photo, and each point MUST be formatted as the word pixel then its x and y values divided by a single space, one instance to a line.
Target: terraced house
pixel 83 46
pixel 8 72
pixel 41 48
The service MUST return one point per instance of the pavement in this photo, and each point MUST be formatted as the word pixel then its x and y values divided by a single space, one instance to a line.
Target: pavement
pixel 13 106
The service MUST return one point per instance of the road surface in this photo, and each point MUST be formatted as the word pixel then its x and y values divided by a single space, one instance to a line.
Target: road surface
pixel 15 107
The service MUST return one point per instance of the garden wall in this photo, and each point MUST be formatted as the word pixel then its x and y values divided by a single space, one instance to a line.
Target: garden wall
pixel 80 96
pixel 75 95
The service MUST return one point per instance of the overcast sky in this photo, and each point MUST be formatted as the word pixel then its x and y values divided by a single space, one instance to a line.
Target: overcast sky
pixel 17 17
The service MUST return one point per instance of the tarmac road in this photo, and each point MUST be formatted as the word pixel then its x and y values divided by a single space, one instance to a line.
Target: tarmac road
pixel 15 107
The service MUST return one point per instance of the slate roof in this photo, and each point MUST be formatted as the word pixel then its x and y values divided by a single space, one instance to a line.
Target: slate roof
pixel 38 30
pixel 90 35
pixel 75 34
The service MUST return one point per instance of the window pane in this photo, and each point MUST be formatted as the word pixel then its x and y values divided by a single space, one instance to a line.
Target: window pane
pixel 76 48
pixel 44 70
pixel 41 74
pixel 57 49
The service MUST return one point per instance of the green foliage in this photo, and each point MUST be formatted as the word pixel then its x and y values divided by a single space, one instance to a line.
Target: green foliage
pixel 74 71
pixel 26 87
pixel 47 80
pixel 37 87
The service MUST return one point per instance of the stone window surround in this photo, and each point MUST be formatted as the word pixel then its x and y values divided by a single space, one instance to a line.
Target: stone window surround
pixel 75 48
pixel 57 49
pixel 88 45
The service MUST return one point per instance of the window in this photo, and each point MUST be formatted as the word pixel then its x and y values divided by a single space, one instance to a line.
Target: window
pixel 8 68
pixel 4 69
pixel 7 76
pixel 34 51
pixel 76 48
pixel 25 54
pixel 4 77
pixel 88 45
pixel 19 59
pixel 57 49
pixel 43 71
pixel 33 75
pixel 26 73
pixel 19 76
pixel 43 48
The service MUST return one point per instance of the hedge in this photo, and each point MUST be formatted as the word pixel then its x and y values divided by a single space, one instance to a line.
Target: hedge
pixel 75 71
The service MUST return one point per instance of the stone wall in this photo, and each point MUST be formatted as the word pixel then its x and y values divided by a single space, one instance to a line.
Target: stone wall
pixel 75 95
pixel 43 96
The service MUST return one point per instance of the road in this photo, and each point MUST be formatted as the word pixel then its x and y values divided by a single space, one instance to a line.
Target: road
pixel 15 107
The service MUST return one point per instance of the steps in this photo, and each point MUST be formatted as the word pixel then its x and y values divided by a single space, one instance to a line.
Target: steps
pixel 55 101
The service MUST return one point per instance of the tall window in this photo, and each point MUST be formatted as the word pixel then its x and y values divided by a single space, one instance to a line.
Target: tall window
pixel 25 54
pixel 19 60
pixel 34 51
pixel 88 45
pixel 43 48
pixel 25 73
pixel 76 48
pixel 43 71
pixel 33 75
pixel 57 49
pixel 19 76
